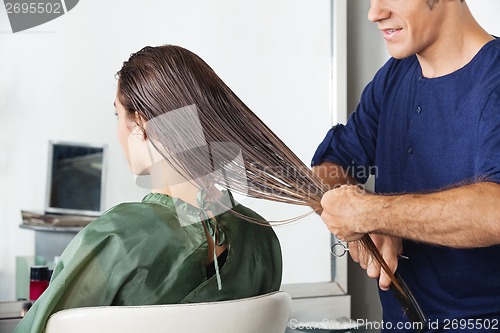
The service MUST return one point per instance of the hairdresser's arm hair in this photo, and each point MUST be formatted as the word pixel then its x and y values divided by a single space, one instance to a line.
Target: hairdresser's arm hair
pixel 462 217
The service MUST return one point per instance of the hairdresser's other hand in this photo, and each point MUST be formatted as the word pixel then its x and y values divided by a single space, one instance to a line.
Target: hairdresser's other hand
pixel 390 248
pixel 346 211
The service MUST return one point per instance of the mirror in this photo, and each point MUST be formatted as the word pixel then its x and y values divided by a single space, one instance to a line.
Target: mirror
pixel 75 180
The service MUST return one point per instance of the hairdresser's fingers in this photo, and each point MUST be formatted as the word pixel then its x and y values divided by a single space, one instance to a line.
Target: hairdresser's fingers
pixel 354 251
pixel 373 269
pixel 359 254
pixel 390 248
pixel 385 281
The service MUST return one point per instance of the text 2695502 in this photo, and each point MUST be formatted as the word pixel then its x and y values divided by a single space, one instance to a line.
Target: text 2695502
pixel 33 8
pixel 470 324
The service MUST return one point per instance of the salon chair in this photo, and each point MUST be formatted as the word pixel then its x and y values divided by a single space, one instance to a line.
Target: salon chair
pixel 261 314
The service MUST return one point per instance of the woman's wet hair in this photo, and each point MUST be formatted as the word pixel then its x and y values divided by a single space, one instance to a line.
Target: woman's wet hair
pixel 215 139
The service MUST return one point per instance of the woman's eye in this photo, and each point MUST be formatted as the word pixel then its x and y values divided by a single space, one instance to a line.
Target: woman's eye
pixel 116 114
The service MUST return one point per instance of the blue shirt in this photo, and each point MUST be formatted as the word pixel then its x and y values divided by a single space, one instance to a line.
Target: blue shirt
pixel 419 135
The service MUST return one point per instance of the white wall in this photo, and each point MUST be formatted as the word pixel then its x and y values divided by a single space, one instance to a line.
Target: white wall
pixel 57 82
pixel 366 54
pixel 486 13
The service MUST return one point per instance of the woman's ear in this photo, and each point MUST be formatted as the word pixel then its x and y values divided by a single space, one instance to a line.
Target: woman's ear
pixel 141 124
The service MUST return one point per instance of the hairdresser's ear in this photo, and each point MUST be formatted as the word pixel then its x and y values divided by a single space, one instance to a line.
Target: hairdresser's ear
pixel 141 124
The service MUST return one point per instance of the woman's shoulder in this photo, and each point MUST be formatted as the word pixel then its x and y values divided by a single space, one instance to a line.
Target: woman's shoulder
pixel 245 221
pixel 129 208
pixel 129 224
pixel 132 216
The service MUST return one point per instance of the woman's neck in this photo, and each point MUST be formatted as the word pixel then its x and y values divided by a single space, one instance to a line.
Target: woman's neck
pixel 166 180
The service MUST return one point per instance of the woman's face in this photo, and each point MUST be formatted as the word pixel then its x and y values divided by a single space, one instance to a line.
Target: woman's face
pixel 409 26
pixel 132 140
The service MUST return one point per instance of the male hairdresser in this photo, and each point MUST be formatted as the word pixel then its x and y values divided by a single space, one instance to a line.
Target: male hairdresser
pixel 429 124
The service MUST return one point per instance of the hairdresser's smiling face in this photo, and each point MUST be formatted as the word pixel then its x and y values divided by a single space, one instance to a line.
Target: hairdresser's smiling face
pixel 409 26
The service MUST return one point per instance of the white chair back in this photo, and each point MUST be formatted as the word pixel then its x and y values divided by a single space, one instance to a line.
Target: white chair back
pixel 261 314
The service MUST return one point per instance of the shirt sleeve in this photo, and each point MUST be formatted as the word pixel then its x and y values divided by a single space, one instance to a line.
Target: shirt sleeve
pixel 488 153
pixel 353 145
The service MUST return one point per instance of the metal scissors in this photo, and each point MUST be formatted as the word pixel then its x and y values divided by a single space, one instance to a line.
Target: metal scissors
pixel 339 249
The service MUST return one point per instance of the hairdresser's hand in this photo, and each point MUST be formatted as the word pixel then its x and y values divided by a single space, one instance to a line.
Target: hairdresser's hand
pixel 333 175
pixel 346 212
pixel 390 248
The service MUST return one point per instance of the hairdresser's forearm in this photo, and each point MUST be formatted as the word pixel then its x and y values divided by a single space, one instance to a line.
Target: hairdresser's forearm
pixel 463 217
pixel 332 174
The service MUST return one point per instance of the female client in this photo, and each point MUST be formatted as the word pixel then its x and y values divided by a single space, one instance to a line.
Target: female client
pixel 188 240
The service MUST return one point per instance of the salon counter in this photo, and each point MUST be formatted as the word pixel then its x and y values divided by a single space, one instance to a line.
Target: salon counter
pixel 11 313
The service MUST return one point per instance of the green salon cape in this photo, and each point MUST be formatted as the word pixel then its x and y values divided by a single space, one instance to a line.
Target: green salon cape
pixel 155 252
